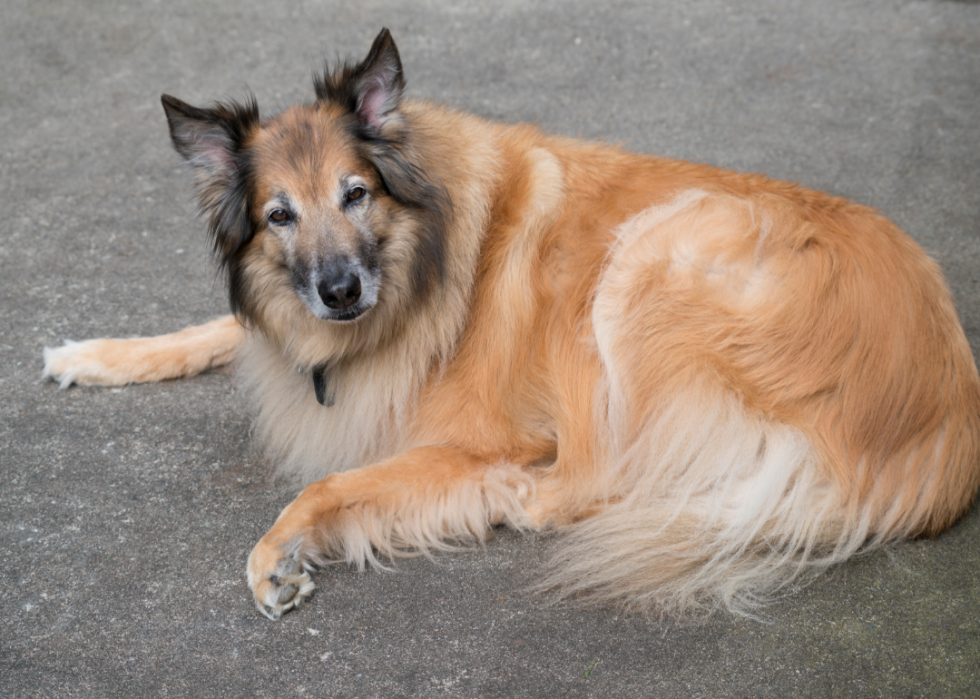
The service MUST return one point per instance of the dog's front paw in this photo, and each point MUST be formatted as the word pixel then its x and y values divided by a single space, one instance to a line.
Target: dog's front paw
pixel 85 363
pixel 279 579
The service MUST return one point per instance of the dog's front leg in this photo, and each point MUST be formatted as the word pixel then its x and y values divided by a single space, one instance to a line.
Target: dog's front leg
pixel 116 362
pixel 418 501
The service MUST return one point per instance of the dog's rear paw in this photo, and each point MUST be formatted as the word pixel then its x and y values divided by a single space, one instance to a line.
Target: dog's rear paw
pixel 279 582
pixel 83 363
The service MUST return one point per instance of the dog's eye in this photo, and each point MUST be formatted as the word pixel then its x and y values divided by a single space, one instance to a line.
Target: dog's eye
pixel 280 217
pixel 355 193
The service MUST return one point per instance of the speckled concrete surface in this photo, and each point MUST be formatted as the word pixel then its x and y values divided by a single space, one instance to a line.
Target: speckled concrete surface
pixel 126 515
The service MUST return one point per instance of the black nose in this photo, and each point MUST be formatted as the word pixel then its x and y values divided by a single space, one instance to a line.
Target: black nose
pixel 340 288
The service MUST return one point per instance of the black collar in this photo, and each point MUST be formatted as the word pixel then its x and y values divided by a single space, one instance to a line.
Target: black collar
pixel 325 394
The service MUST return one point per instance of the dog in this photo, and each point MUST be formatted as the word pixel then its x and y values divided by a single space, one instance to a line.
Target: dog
pixel 713 385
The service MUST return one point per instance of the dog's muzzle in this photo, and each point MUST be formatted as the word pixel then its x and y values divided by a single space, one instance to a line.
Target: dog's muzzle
pixel 340 289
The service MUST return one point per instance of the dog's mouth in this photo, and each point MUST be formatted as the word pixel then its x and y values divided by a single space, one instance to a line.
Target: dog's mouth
pixel 346 315
pixel 349 314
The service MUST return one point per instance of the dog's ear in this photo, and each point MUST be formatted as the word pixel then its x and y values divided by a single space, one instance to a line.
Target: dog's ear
pixel 372 89
pixel 379 88
pixel 211 138
pixel 213 141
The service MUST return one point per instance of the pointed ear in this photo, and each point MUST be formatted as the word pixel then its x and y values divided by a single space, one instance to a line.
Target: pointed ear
pixel 213 141
pixel 210 138
pixel 372 89
pixel 379 89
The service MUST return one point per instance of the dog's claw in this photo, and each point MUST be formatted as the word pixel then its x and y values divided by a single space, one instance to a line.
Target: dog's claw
pixel 279 587
pixel 274 600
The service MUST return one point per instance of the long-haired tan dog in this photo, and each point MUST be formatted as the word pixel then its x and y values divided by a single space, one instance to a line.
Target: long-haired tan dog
pixel 713 383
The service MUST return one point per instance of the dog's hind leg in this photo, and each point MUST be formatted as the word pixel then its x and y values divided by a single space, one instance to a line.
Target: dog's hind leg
pixel 116 362
pixel 419 501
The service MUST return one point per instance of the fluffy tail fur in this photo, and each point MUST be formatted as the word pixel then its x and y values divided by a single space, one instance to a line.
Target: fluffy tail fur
pixel 714 505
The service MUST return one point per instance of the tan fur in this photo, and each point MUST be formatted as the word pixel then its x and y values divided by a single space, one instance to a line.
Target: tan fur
pixel 714 382
pixel 143 360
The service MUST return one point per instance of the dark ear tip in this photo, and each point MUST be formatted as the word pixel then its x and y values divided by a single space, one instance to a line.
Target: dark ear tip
pixel 172 104
pixel 384 42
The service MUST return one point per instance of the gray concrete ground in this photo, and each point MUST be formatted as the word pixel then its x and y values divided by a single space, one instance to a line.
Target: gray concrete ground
pixel 126 515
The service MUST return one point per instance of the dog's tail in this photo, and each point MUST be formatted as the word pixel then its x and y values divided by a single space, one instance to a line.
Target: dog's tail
pixel 712 506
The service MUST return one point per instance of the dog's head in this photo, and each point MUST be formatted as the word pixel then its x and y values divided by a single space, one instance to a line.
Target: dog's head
pixel 331 200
